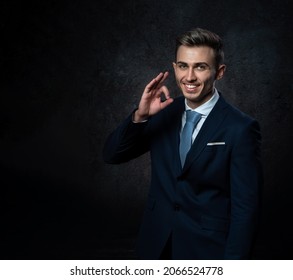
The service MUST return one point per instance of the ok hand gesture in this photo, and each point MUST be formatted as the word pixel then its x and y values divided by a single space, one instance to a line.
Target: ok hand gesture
pixel 151 102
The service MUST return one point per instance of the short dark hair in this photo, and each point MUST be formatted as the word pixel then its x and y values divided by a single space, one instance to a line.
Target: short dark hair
pixel 202 37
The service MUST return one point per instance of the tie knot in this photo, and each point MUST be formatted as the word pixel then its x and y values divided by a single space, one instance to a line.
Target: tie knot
pixel 192 116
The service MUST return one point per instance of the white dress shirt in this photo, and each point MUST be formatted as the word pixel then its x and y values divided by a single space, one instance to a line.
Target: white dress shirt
pixel 204 110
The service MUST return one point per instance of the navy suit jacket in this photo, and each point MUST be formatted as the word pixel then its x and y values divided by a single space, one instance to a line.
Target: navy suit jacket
pixel 210 205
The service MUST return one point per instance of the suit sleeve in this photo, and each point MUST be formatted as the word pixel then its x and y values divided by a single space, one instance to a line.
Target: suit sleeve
pixel 128 141
pixel 246 184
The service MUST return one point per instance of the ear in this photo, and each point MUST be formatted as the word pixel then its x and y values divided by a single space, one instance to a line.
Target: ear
pixel 174 66
pixel 220 71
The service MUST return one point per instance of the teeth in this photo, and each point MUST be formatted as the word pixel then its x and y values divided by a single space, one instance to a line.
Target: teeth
pixel 191 86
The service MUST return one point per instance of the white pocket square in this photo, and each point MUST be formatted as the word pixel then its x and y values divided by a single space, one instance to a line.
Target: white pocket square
pixel 216 143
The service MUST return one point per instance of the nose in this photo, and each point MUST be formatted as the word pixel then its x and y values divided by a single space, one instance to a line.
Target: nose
pixel 191 75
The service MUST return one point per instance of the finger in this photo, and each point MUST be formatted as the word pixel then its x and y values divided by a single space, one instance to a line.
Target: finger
pixel 161 79
pixel 164 95
pixel 165 92
pixel 156 82
pixel 166 74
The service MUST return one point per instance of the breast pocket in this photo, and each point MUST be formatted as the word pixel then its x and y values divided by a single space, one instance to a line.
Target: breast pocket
pixel 215 147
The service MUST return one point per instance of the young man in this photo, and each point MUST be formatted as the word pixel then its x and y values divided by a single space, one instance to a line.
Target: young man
pixel 203 201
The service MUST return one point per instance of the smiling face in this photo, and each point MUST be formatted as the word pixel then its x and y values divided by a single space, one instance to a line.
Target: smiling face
pixel 196 73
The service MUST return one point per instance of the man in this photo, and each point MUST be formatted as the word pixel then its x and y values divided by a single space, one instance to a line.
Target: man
pixel 203 204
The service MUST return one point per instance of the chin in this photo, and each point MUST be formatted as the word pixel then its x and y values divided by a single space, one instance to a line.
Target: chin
pixel 192 96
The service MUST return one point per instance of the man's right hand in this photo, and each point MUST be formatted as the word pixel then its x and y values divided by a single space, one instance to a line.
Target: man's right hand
pixel 151 102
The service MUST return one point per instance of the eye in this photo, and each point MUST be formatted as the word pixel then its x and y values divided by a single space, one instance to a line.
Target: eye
pixel 182 66
pixel 201 67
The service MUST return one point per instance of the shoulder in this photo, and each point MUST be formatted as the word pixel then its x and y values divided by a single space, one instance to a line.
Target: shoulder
pixel 234 112
pixel 239 122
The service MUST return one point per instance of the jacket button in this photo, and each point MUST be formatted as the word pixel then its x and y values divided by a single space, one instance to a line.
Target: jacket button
pixel 177 207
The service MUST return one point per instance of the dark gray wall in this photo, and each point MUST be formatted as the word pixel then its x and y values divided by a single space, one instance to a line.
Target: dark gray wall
pixel 72 70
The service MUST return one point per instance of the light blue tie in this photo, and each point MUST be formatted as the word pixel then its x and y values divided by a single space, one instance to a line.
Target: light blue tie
pixel 192 118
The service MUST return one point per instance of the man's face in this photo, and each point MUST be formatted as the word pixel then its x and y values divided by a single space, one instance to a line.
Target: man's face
pixel 196 73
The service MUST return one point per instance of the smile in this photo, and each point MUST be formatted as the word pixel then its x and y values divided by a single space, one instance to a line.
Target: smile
pixel 190 87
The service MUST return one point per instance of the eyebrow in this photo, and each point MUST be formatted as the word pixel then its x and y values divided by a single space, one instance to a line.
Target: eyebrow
pixel 194 64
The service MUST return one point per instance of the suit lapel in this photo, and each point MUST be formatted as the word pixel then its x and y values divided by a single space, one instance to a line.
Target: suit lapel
pixel 209 128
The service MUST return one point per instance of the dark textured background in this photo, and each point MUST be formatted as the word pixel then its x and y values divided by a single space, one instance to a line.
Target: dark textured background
pixel 72 70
